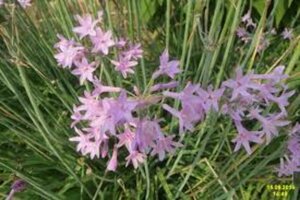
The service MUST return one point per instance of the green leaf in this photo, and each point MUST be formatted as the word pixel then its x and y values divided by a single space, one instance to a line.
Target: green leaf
pixel 281 9
pixel 259 6
pixel 148 8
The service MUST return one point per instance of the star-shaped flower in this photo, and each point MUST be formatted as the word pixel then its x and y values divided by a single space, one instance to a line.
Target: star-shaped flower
pixel 187 117
pixel 241 85
pixel 86 26
pixel 211 98
pixel 287 34
pixel 102 41
pixel 134 51
pixel 83 141
pixel 164 145
pixel 136 158
pixel 84 70
pixel 68 54
pixel 124 65
pixel 269 124
pixel 244 137
pixel 166 67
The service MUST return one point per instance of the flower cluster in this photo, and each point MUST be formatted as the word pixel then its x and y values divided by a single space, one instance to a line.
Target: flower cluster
pixel 243 99
pixel 103 123
pixel 74 55
pixel 246 30
pixel 109 118
pixel 249 97
pixel 291 162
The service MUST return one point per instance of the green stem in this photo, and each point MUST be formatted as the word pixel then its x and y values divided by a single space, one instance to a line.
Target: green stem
pixel 45 126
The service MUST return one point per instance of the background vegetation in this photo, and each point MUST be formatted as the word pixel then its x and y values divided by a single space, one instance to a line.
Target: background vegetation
pixel 36 97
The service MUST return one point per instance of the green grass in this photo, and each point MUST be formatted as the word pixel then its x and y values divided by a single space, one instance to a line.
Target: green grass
pixel 36 97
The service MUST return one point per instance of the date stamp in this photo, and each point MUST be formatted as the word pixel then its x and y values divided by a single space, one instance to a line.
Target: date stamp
pixel 280 190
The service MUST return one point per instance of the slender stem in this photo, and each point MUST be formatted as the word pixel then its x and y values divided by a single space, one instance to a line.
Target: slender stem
pixel 228 49
pixel 186 33
pixel 168 13
pixel 147 180
pixel 99 187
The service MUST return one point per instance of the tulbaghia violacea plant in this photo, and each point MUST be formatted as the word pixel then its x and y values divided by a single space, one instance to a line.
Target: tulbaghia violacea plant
pixel 113 123
pixel 244 98
pixel 248 97
pixel 108 118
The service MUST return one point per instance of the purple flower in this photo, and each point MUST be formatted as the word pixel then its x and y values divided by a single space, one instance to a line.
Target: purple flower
pixel 122 108
pixel 282 101
pixel 187 117
pixel 166 67
pixel 146 133
pixel 113 163
pixel 104 149
pixel 135 52
pixel 25 3
pixel 188 97
pixel 269 124
pixel 1 2
pixel 288 167
pixel 63 43
pixel 293 146
pixel 292 158
pixel 69 53
pixel 126 138
pixel 287 34
pixel 76 116
pixel 121 43
pixel 241 32
pixel 211 98
pixel 276 76
pixel 90 105
pixel 296 129
pixel 86 26
pixel 105 118
pixel 244 137
pixel 93 148
pixel 164 144
pixel 124 65
pixel 136 158
pixel 114 112
pixel 241 85
pixel 83 141
pixel 102 41
pixel 266 92
pixel 84 70
pixel 235 113
pixel 17 186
